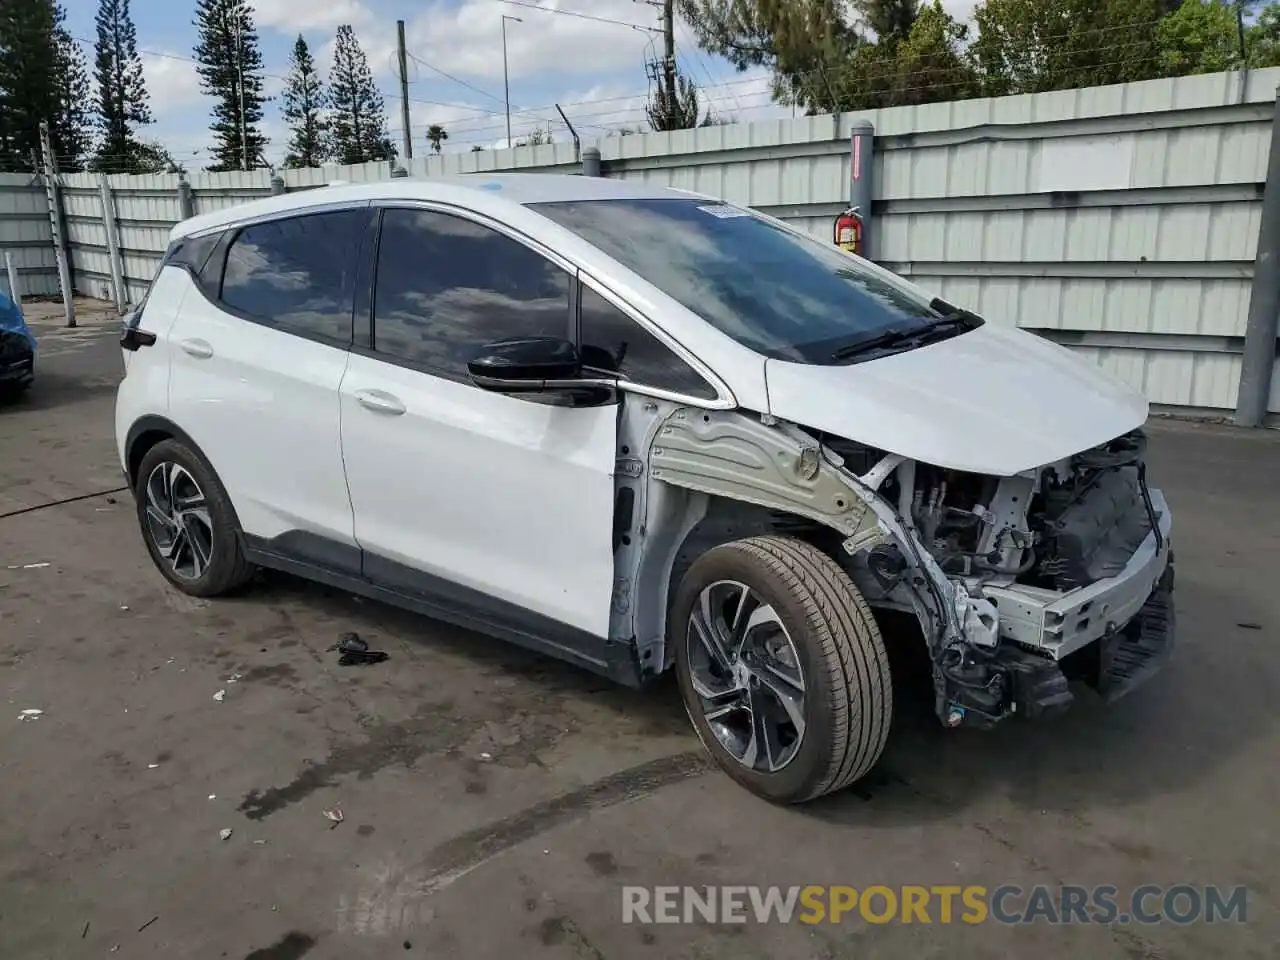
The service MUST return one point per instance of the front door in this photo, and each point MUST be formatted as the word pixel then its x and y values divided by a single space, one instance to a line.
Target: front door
pixel 500 503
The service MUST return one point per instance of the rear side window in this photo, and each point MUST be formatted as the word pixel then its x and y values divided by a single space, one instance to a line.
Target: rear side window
pixel 447 286
pixel 297 275
pixel 611 341
pixel 191 252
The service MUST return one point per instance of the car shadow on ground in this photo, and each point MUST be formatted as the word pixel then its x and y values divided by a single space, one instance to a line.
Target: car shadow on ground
pixel 1179 728
pixel 53 390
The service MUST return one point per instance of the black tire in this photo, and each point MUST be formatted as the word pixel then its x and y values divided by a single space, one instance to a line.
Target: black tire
pixel 227 569
pixel 848 697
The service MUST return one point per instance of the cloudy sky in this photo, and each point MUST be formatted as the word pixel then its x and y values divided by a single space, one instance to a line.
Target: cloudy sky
pixel 557 54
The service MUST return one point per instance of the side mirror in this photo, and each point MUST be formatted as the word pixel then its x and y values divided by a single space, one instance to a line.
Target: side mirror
pixel 523 364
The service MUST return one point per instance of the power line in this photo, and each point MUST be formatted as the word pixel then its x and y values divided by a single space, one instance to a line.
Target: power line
pixel 580 16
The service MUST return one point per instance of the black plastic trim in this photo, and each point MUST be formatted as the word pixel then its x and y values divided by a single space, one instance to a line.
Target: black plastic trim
pixel 134 338
pixel 155 424
pixel 401 586
pixel 311 548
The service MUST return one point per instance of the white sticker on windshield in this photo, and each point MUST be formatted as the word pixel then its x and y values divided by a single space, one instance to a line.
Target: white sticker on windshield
pixel 724 211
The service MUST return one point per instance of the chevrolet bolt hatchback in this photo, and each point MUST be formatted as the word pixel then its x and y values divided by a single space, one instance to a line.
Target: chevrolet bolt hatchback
pixel 645 430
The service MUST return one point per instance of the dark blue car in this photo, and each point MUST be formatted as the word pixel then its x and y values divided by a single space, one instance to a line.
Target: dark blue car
pixel 17 350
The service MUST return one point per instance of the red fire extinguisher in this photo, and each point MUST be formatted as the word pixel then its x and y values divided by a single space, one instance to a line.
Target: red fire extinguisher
pixel 848 231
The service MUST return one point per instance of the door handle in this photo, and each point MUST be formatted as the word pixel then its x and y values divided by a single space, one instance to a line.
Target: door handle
pixel 197 348
pixel 380 402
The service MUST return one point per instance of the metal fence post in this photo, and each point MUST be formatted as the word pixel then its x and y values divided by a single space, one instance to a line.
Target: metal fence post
pixel 50 171
pixel 186 203
pixel 591 162
pixel 15 289
pixel 277 184
pixel 113 243
pixel 1259 358
pixel 861 152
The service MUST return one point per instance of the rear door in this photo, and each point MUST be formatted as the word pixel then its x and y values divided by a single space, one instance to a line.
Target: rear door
pixel 258 356
pixel 502 503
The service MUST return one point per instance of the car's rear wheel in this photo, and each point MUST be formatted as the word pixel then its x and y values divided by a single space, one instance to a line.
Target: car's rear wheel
pixel 781 667
pixel 188 522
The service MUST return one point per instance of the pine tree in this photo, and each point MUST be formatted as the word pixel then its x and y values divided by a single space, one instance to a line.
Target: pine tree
pixel 230 68
pixel 121 102
pixel 70 129
pixel 303 101
pixel 359 119
pixel 28 77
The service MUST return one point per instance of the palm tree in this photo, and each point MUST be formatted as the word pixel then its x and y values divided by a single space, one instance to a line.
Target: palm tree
pixel 436 135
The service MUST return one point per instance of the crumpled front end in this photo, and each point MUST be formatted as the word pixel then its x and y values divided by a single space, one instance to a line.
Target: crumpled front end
pixel 1023 583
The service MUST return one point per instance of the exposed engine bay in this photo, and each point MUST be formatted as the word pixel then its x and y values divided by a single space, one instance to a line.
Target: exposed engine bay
pixel 1016 550
pixel 1019 584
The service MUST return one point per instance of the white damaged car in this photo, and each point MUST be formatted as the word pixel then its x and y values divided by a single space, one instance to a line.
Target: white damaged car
pixel 640 430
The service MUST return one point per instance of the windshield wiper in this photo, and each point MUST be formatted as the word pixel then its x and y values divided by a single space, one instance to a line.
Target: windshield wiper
pixel 888 338
pixel 953 316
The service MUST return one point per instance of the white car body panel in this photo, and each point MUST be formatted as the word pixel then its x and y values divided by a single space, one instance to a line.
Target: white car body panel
pixel 145 389
pixel 263 407
pixel 509 497
pixel 993 400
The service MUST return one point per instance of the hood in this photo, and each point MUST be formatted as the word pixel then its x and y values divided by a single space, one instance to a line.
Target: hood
pixel 994 400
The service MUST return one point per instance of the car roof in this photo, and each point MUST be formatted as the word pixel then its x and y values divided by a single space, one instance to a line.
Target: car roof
pixel 515 188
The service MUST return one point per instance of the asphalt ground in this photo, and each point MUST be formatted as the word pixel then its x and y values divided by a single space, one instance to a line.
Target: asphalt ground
pixel 495 803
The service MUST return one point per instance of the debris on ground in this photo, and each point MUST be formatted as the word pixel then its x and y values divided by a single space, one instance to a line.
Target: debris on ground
pixel 85 932
pixel 1249 626
pixel 334 815
pixel 233 678
pixel 152 766
pixel 486 756
pixel 213 796
pixel 30 714
pixel 355 651
pixel 148 923
pixel 220 695
pixel 224 833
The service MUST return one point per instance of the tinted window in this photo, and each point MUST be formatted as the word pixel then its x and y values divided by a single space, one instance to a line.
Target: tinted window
pixel 192 252
pixel 613 341
pixel 446 287
pixel 298 274
pixel 786 296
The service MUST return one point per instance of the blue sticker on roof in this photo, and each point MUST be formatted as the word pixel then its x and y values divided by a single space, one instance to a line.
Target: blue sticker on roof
pixel 491 185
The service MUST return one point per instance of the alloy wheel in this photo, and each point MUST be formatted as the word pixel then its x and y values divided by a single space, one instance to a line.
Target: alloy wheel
pixel 178 521
pixel 746 671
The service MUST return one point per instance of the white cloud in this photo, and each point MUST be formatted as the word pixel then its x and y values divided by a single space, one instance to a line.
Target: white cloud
pixel 293 16
pixel 468 38
pixel 172 83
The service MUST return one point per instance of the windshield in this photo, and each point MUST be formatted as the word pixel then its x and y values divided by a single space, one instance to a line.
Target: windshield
pixel 786 296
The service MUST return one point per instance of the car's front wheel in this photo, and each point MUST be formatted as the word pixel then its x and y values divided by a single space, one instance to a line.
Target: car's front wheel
pixel 782 667
pixel 188 522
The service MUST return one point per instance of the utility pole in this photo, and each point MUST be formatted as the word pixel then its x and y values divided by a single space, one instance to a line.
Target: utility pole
pixel 404 90
pixel 48 167
pixel 669 54
pixel 244 140
pixel 506 85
